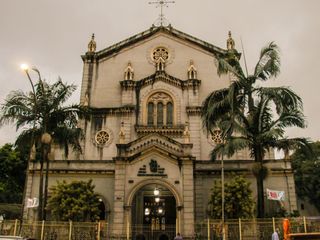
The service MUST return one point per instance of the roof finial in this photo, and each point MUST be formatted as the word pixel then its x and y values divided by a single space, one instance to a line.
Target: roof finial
pixel 161 21
pixel 230 42
pixel 92 45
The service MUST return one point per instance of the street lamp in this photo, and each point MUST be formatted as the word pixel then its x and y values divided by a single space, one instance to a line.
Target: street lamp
pixel 45 140
pixel 25 68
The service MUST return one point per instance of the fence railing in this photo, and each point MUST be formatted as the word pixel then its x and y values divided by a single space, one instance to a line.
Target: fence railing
pixel 210 229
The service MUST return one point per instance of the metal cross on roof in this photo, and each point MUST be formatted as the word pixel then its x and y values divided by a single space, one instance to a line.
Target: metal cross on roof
pixel 161 21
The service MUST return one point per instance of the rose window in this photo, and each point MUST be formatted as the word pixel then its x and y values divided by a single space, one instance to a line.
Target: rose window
pixel 160 53
pixel 102 137
pixel 216 136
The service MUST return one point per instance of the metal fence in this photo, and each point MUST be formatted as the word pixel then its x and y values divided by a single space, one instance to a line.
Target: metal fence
pixel 239 229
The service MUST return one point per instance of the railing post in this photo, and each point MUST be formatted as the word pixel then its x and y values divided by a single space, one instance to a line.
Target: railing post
pixel 240 233
pixel 305 224
pixel 99 229
pixel 42 230
pixel 15 227
pixel 208 229
pixel 70 230
pixel 273 224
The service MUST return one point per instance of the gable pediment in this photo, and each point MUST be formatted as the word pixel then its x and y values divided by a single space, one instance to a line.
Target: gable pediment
pixel 169 31
pixel 154 142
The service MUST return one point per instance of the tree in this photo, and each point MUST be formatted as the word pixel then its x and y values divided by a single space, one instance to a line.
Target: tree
pixel 40 112
pixel 307 174
pixel 12 174
pixel 253 117
pixel 238 199
pixel 75 201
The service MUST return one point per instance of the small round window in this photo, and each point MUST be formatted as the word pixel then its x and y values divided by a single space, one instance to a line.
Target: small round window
pixel 102 137
pixel 216 137
pixel 160 53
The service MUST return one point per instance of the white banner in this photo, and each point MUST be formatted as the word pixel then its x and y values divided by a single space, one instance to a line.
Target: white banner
pixel 275 195
pixel 32 202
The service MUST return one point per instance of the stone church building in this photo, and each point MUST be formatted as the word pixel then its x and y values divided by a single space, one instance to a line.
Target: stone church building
pixel 145 148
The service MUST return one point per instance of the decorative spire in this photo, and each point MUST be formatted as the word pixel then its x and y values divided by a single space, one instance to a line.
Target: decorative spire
pixel 192 71
pixel 230 42
pixel 92 45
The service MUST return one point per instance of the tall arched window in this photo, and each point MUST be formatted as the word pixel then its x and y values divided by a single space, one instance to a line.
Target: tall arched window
pixel 160 114
pixel 169 114
pixel 150 113
pixel 160 110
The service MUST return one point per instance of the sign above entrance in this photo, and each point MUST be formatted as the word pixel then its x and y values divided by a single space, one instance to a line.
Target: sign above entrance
pixel 154 170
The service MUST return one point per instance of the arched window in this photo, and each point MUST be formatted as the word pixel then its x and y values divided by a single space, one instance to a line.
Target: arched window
pixel 160 114
pixel 169 114
pixel 150 113
pixel 102 210
pixel 160 110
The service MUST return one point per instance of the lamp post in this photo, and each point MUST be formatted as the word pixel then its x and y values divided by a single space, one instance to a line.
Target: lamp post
pixel 45 142
pixel 25 68
pixel 222 195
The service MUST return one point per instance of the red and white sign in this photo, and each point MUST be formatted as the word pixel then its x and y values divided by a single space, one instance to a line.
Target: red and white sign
pixel 275 195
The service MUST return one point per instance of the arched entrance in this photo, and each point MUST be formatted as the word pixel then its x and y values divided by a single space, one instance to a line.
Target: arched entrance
pixel 153 213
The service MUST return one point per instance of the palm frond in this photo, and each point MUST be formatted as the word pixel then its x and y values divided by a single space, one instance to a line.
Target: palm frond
pixel 269 62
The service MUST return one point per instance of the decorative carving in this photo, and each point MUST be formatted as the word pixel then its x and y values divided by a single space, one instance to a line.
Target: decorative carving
pixel 160 97
pixel 155 170
pixel 128 73
pixel 153 166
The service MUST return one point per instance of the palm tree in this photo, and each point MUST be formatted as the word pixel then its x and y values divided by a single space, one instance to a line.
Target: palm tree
pixel 253 117
pixel 43 111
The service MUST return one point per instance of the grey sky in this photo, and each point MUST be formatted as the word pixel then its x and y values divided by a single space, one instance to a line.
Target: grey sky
pixel 52 34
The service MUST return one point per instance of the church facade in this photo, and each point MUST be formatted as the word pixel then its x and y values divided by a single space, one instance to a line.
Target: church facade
pixel 145 148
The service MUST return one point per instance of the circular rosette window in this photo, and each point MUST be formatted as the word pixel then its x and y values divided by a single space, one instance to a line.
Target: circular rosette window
pixel 103 138
pixel 215 137
pixel 160 53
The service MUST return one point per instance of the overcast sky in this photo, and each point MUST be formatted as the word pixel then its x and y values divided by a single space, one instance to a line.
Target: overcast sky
pixel 52 34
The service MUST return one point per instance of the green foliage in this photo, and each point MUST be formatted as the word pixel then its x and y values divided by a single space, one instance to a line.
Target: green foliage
pixel 12 174
pixel 238 199
pixel 44 110
pixel 253 117
pixel 75 201
pixel 307 174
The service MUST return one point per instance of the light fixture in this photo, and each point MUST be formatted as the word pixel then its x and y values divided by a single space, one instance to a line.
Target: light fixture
pixel 156 192
pixel 146 211
pixel 24 67
pixel 157 199
pixel 160 210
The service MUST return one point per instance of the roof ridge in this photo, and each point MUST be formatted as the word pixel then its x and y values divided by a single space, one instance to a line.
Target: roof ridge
pixel 152 30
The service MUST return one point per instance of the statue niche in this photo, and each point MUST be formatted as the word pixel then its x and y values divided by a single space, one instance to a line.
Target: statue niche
pixel 128 73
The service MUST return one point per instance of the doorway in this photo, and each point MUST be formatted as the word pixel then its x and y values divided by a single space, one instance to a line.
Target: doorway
pixel 153 213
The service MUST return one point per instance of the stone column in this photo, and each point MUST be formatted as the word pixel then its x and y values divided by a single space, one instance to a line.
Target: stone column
pixel 187 223
pixel 119 224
